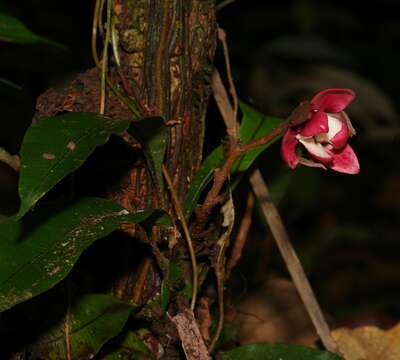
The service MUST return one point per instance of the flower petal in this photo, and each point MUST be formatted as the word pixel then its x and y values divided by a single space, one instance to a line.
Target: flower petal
pixel 350 126
pixel 332 100
pixel 345 161
pixel 338 131
pixel 316 150
pixel 288 148
pixel 335 124
pixel 317 124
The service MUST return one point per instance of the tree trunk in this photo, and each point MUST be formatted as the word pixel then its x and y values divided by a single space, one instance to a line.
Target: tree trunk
pixel 166 50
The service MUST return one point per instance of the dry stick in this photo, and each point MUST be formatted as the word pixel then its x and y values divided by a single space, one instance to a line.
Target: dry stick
pixel 67 321
pixel 192 342
pixel 232 89
pixel 104 63
pixel 292 261
pixel 221 97
pixel 94 32
pixel 241 237
pixel 141 281
pixel 181 216
pixel 11 160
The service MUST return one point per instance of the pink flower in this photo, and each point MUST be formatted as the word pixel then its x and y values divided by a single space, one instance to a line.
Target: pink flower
pixel 324 134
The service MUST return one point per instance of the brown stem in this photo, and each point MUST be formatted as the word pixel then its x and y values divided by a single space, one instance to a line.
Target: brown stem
pixel 221 175
pixel 232 88
pixel 11 160
pixel 186 231
pixel 221 97
pixel 141 281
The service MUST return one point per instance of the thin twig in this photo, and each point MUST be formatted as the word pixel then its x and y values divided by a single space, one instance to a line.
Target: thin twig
pixel 104 62
pixel 181 217
pixel 220 275
pixel 222 244
pixel 141 281
pixel 232 88
pixel 241 237
pixel 224 3
pixel 11 160
pixel 67 321
pixel 293 264
pixel 114 41
pixel 94 32
pixel 100 24
pixel 221 97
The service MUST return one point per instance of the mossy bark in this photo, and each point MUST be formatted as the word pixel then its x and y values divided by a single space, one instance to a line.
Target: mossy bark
pixel 167 49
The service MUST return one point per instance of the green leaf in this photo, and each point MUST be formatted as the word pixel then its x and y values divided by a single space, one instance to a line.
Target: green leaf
pixel 13 30
pixel 177 282
pixel 253 125
pixel 39 251
pixel 131 347
pixel 152 133
pixel 94 320
pixel 57 146
pixel 164 294
pixel 201 179
pixel 276 352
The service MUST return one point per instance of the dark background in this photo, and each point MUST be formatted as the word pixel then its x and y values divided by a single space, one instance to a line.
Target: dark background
pixel 344 227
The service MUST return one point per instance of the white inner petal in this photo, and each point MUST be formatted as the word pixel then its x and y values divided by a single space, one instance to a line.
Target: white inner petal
pixel 314 147
pixel 350 126
pixel 335 124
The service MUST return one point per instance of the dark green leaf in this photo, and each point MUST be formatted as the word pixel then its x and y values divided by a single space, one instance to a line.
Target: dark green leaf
pixel 201 179
pixel 177 282
pixel 131 347
pixel 164 295
pixel 254 125
pixel 94 320
pixel 57 146
pixel 152 133
pixel 38 252
pixel 13 30
pixel 276 352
